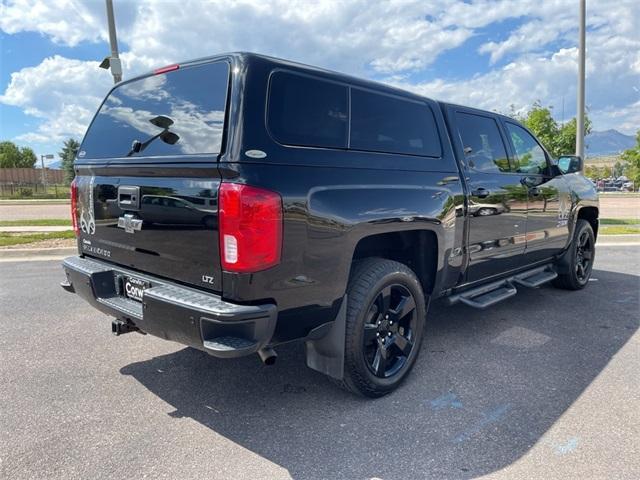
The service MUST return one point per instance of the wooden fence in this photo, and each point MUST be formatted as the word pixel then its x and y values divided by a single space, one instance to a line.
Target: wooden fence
pixel 30 176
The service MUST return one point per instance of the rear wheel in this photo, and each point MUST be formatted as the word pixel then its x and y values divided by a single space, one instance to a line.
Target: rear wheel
pixel 579 258
pixel 385 320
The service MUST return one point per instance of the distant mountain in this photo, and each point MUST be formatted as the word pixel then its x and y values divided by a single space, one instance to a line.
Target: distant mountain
pixel 57 165
pixel 608 142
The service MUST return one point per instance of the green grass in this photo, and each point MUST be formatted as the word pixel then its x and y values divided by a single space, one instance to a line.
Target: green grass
pixel 7 239
pixel 31 192
pixel 42 222
pixel 619 221
pixel 618 229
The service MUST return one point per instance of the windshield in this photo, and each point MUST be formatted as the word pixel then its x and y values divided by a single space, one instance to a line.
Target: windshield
pixel 175 113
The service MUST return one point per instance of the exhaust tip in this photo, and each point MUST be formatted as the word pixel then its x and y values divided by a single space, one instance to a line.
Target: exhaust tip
pixel 267 355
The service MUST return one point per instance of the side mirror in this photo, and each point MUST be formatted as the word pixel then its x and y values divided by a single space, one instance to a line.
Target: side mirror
pixel 570 164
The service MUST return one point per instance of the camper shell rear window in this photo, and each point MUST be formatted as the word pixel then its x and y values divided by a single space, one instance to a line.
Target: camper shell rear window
pixel 180 112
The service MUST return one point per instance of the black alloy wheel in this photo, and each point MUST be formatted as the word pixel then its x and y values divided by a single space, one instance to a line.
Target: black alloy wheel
pixel 389 330
pixel 386 313
pixel 584 256
pixel 576 264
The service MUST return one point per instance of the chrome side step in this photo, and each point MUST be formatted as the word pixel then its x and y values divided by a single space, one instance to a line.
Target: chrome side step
pixel 487 295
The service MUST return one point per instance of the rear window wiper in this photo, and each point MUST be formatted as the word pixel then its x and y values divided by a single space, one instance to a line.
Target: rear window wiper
pixel 165 135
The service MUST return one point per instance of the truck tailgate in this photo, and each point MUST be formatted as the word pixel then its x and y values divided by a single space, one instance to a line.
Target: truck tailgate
pixel 159 220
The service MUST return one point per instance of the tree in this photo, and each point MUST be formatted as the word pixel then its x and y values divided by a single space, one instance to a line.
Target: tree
pixel 539 120
pixel 592 171
pixel 632 157
pixel 68 155
pixel 618 169
pixel 557 139
pixel 11 156
pixel 28 158
pixel 566 140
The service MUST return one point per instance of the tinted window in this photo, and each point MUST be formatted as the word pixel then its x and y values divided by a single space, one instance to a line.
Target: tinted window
pixel 484 149
pixel 179 112
pixel 530 157
pixel 307 111
pixel 387 124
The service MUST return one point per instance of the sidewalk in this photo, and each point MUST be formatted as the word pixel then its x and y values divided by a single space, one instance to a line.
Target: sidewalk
pixel 34 210
pixel 35 229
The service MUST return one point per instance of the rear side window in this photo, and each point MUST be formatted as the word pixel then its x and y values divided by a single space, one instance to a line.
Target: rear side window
pixel 382 123
pixel 176 113
pixel 483 147
pixel 307 111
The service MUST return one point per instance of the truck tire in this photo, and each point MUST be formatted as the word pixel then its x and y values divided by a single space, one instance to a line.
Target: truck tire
pixel 386 312
pixel 578 259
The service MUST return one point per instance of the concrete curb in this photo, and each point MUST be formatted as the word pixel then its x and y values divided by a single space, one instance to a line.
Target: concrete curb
pixel 628 239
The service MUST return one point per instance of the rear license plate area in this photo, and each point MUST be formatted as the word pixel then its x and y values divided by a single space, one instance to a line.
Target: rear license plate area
pixel 133 288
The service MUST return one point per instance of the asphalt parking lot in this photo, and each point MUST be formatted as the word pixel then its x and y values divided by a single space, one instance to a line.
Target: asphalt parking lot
pixel 544 385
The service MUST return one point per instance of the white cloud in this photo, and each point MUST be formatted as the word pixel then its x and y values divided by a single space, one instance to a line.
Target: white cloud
pixel 62 92
pixel 518 83
pixel 613 66
pixel 383 36
pixel 396 40
pixel 625 119
pixel 67 22
pixel 529 36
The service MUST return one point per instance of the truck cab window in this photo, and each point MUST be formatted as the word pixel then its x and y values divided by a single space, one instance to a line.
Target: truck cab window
pixel 483 147
pixel 382 123
pixel 308 112
pixel 530 157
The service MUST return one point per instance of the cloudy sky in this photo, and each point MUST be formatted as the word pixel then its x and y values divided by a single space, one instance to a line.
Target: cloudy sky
pixel 489 54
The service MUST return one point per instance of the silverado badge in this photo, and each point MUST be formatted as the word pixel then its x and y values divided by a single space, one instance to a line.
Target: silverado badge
pixel 129 223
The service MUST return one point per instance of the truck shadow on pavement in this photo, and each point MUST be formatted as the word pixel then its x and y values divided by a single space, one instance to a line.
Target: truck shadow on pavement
pixel 487 386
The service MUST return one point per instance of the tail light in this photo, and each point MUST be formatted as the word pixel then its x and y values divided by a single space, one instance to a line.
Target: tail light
pixel 250 228
pixel 74 206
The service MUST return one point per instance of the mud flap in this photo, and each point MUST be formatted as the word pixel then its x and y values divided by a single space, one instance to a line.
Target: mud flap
pixel 563 263
pixel 326 354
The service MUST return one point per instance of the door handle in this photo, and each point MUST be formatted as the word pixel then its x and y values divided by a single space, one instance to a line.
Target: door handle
pixel 480 192
pixel 129 198
pixel 534 191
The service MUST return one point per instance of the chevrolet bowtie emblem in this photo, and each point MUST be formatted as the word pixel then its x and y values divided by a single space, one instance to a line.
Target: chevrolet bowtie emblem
pixel 129 223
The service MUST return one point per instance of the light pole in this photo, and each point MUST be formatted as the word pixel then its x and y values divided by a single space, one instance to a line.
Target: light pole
pixel 113 61
pixel 581 64
pixel 48 156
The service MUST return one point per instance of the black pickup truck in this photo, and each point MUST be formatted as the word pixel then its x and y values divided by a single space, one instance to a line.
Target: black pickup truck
pixel 239 202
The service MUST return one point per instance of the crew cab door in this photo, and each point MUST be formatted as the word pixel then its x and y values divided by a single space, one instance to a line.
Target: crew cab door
pixel 549 196
pixel 497 201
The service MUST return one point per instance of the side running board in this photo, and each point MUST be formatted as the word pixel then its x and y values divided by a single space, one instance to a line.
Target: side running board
pixel 535 278
pixel 487 295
